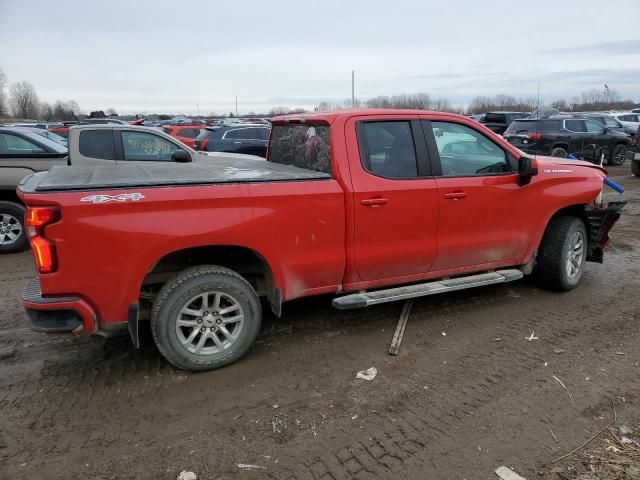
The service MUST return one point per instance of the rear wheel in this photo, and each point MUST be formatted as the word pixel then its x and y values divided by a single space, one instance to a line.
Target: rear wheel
pixel 635 168
pixel 206 317
pixel 559 152
pixel 12 231
pixel 562 254
pixel 618 156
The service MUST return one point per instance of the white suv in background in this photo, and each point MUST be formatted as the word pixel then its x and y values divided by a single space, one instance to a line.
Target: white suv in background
pixel 627 119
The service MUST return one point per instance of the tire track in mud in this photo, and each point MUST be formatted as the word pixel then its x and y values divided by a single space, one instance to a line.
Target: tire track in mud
pixel 479 378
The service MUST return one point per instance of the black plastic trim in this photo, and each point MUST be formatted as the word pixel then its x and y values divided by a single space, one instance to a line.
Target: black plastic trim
pixel 132 324
pixel 32 294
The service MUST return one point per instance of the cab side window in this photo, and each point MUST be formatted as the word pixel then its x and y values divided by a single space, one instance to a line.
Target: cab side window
pixel 97 144
pixel 15 145
pixel 576 126
pixel 138 146
pixel 465 152
pixel 594 127
pixel 389 149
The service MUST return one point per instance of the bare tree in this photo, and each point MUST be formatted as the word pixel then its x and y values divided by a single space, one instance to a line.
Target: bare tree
pixel 46 111
pixel 66 111
pixel 275 111
pixel 3 96
pixel 23 100
pixel 111 112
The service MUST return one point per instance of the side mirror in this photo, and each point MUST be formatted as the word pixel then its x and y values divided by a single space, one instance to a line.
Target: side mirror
pixel 527 168
pixel 181 156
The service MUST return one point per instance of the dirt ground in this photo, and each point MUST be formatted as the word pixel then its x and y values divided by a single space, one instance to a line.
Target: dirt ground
pixel 467 393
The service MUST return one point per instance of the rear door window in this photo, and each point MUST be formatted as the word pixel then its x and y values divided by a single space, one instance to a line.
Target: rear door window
pixel 97 144
pixel 594 127
pixel 141 146
pixel 389 149
pixel 302 146
pixel 264 133
pixel 577 126
pixel 189 132
pixel 466 152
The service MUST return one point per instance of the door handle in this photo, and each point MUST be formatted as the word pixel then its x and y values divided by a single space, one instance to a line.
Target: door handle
pixel 455 195
pixel 374 202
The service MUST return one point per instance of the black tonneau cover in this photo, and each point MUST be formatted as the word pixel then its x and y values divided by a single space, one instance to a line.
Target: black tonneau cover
pixel 63 178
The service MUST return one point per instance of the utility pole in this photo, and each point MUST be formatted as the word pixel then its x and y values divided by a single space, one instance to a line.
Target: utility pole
pixel 236 105
pixel 353 89
pixel 198 108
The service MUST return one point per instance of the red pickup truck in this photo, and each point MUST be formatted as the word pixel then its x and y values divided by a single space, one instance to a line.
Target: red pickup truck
pixel 370 205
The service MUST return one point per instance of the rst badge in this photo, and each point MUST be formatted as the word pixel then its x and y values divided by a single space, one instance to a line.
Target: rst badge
pixel 122 197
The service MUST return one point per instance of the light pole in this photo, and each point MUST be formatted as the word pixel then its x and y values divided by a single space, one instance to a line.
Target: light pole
pixel 353 89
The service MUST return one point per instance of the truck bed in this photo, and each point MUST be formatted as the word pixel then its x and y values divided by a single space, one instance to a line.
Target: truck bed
pixel 64 178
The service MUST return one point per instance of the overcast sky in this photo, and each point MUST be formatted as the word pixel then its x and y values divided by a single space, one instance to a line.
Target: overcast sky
pixel 173 56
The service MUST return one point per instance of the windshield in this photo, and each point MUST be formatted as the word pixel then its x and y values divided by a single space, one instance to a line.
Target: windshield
pixel 53 136
pixel 50 144
pixel 302 146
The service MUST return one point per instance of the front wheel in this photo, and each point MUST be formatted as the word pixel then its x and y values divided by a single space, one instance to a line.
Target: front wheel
pixel 205 318
pixel 618 156
pixel 13 236
pixel 559 152
pixel 562 254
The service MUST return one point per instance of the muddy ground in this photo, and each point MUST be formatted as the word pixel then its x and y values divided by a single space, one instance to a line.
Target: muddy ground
pixel 467 393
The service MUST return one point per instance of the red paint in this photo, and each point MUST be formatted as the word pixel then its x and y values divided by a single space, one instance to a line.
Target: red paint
pixel 354 231
pixel 177 132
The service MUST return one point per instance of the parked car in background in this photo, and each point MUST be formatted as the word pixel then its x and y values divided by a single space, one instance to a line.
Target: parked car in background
pixel 39 125
pixel 48 134
pixel 634 153
pixel 557 136
pixel 185 133
pixel 609 122
pixel 22 152
pixel 239 138
pixel 628 119
pixel 61 131
pixel 499 121
pixel 476 117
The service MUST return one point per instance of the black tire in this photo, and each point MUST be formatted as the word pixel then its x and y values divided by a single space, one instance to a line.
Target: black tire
pixel 559 152
pixel 635 167
pixel 618 156
pixel 179 293
pixel 12 224
pixel 552 263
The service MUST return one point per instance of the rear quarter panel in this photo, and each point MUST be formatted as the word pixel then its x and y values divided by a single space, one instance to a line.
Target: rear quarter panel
pixel 105 250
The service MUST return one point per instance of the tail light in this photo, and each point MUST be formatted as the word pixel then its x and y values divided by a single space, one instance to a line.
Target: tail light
pixel 535 136
pixel 44 252
pixel 202 144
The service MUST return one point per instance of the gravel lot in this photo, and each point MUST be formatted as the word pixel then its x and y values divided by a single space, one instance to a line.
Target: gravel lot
pixel 467 393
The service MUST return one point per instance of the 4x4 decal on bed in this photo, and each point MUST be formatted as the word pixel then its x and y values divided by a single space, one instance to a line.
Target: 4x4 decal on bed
pixel 122 197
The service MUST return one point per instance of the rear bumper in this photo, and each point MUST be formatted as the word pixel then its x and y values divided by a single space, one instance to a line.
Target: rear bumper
pixel 57 315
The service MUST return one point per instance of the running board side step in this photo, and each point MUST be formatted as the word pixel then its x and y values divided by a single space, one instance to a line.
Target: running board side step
pixel 359 300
